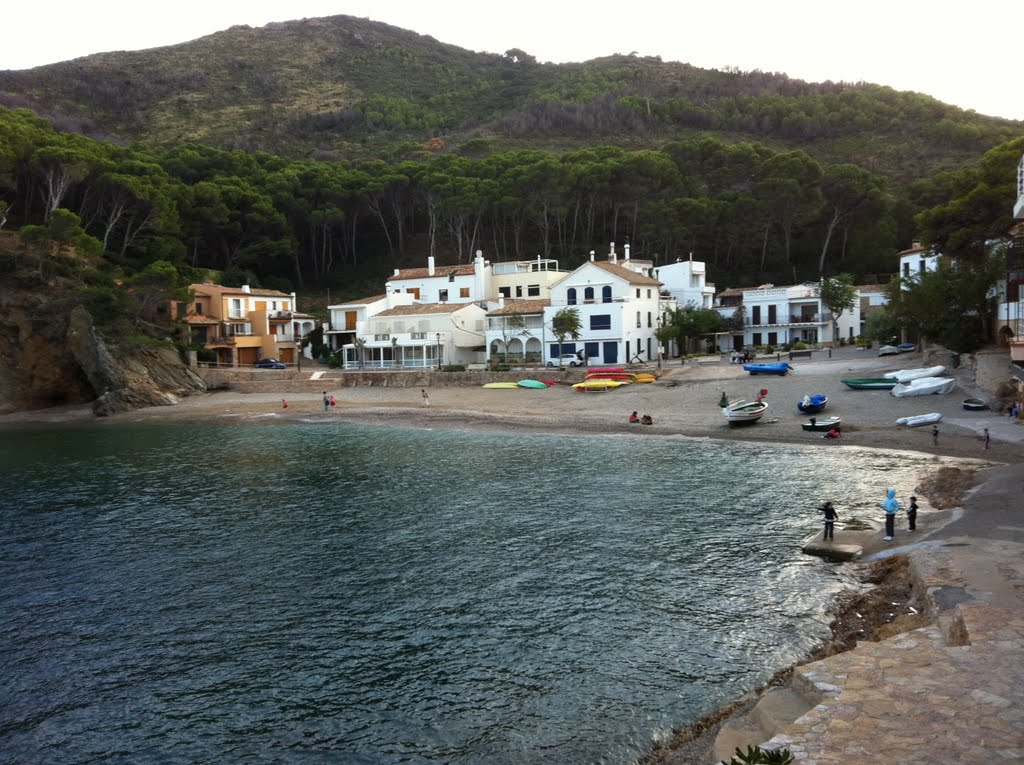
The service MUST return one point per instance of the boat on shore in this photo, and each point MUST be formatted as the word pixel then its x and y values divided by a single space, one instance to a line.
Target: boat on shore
pixel 532 384
pixel 924 386
pixel 921 419
pixel 744 412
pixel 778 368
pixel 823 425
pixel 812 404
pixel 501 385
pixel 906 375
pixel 974 404
pixel 869 383
pixel 597 386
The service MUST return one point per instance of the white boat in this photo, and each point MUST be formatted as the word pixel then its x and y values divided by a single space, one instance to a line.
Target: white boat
pixel 920 419
pixel 924 386
pixel 743 412
pixel 906 375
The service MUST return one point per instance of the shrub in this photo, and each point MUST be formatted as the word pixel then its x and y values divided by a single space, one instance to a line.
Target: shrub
pixel 799 345
pixel 769 349
pixel 454 368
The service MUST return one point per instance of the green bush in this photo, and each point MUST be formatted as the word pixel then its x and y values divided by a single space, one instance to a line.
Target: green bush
pixel 799 345
pixel 769 349
pixel 454 368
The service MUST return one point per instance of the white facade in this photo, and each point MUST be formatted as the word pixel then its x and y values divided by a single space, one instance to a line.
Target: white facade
pixel 525 279
pixel 618 307
pixel 445 284
pixel 506 340
pixel 686 281
pixel 916 261
pixel 345 318
pixel 419 335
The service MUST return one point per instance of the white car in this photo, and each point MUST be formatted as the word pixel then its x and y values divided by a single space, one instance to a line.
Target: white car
pixel 566 360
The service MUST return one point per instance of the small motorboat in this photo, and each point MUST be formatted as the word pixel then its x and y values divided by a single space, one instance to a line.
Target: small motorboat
pixel 744 412
pixel 924 386
pixel 974 404
pixel 888 350
pixel 778 368
pixel 921 419
pixel 812 404
pixel 907 347
pixel 906 375
pixel 870 383
pixel 823 425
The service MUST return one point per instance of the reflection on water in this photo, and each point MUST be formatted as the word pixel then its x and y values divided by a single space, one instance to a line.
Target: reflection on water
pixel 328 593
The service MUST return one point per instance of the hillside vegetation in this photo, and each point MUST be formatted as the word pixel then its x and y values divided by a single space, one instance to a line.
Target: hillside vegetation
pixel 357 89
pixel 324 153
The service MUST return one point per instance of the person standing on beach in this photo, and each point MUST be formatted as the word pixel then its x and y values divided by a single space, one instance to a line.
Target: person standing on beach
pixel 831 516
pixel 986 438
pixel 425 397
pixel 912 514
pixel 935 435
pixel 891 507
pixel 327 401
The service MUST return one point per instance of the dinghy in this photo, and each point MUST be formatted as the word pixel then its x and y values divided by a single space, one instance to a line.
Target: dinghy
pixel 924 386
pixel 920 419
pixel 906 375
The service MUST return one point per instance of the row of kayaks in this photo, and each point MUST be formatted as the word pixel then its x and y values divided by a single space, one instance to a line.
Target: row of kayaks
pixel 601 380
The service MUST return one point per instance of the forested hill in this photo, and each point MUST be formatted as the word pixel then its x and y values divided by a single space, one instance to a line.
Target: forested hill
pixel 349 88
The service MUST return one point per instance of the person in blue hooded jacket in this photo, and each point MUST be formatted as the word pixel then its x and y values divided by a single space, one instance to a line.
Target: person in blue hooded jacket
pixel 891 507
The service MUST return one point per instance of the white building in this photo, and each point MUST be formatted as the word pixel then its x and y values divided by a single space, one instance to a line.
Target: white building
pixel 345 318
pixel 419 335
pixel 916 261
pixel 445 284
pixel 686 281
pixel 618 306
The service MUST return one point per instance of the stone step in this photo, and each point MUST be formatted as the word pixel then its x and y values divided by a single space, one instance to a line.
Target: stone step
pixel 777 708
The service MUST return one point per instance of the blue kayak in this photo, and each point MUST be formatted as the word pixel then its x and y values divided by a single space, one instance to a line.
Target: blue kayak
pixel 779 368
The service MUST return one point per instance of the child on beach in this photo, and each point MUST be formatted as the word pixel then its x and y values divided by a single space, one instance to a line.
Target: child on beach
pixel 912 514
pixel 891 505
pixel 831 516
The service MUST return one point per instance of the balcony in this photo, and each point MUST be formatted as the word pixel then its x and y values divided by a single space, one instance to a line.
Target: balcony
pixel 809 320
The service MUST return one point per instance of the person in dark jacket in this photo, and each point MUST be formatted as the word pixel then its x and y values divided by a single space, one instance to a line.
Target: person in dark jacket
pixel 831 516
pixel 912 514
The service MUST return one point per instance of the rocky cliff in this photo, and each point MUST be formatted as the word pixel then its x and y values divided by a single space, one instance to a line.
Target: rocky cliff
pixel 52 355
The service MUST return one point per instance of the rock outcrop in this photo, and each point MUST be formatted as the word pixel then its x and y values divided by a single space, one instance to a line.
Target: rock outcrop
pixel 51 356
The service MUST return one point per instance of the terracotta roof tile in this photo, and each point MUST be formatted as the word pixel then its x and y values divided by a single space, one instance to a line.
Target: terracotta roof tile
pixel 520 306
pixel 625 273
pixel 422 309
pixel 440 272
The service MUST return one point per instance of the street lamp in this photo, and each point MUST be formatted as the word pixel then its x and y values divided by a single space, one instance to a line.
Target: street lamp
pixel 439 351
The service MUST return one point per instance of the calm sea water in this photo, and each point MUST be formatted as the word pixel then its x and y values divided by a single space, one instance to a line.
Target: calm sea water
pixel 300 593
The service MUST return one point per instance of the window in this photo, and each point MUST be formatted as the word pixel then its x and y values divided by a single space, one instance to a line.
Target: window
pixel 648 294
pixel 519 290
pixel 906 269
pixel 771 315
pixel 638 324
pixel 755 315
pixel 463 292
pixel 570 296
pixel 588 295
pixel 773 338
pixel 505 292
pixel 442 296
pixel 199 310
pixel 921 265
pixel 601 321
pixel 649 324
pixel 533 290
pixel 638 292
pixel 606 294
pixel 756 338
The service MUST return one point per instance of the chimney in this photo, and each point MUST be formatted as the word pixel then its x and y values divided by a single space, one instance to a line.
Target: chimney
pixel 430 265
pixel 626 248
pixel 501 302
pixel 246 289
pixel 396 272
pixel 691 257
pixel 591 256
pixel 612 257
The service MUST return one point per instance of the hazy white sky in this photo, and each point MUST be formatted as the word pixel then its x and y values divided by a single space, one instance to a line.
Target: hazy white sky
pixel 965 54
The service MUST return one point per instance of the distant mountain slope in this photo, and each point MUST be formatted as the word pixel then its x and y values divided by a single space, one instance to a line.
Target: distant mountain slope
pixel 354 88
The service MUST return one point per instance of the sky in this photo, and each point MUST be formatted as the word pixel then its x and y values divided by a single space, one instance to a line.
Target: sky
pixel 964 54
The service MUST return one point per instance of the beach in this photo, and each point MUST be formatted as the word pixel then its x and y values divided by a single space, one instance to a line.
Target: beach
pixel 684 403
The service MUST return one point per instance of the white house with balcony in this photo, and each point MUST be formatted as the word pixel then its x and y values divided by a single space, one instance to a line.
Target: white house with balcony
pixel 345 318
pixel 618 305
pixel 686 281
pixel 515 330
pixel 419 335
pixel 782 316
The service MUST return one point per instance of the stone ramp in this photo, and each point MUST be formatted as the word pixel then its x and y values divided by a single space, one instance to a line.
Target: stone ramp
pixel 952 691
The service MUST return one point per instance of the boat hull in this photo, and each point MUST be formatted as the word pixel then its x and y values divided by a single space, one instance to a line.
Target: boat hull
pixel 921 419
pixel 823 426
pixel 812 404
pixel 768 369
pixel 501 385
pixel 870 383
pixel 906 375
pixel 924 386
pixel 974 404
pixel 531 384
pixel 744 412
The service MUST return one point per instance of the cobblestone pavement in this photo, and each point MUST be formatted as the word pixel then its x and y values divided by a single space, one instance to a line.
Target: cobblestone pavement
pixel 952 692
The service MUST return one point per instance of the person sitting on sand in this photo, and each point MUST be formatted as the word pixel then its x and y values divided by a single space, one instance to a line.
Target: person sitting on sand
pixel 634 419
pixel 646 420
pixel 833 433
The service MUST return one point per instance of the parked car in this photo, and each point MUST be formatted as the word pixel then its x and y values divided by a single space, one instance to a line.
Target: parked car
pixel 566 360
pixel 888 350
pixel 270 364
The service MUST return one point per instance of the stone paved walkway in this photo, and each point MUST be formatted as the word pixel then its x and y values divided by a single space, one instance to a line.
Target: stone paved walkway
pixel 948 693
